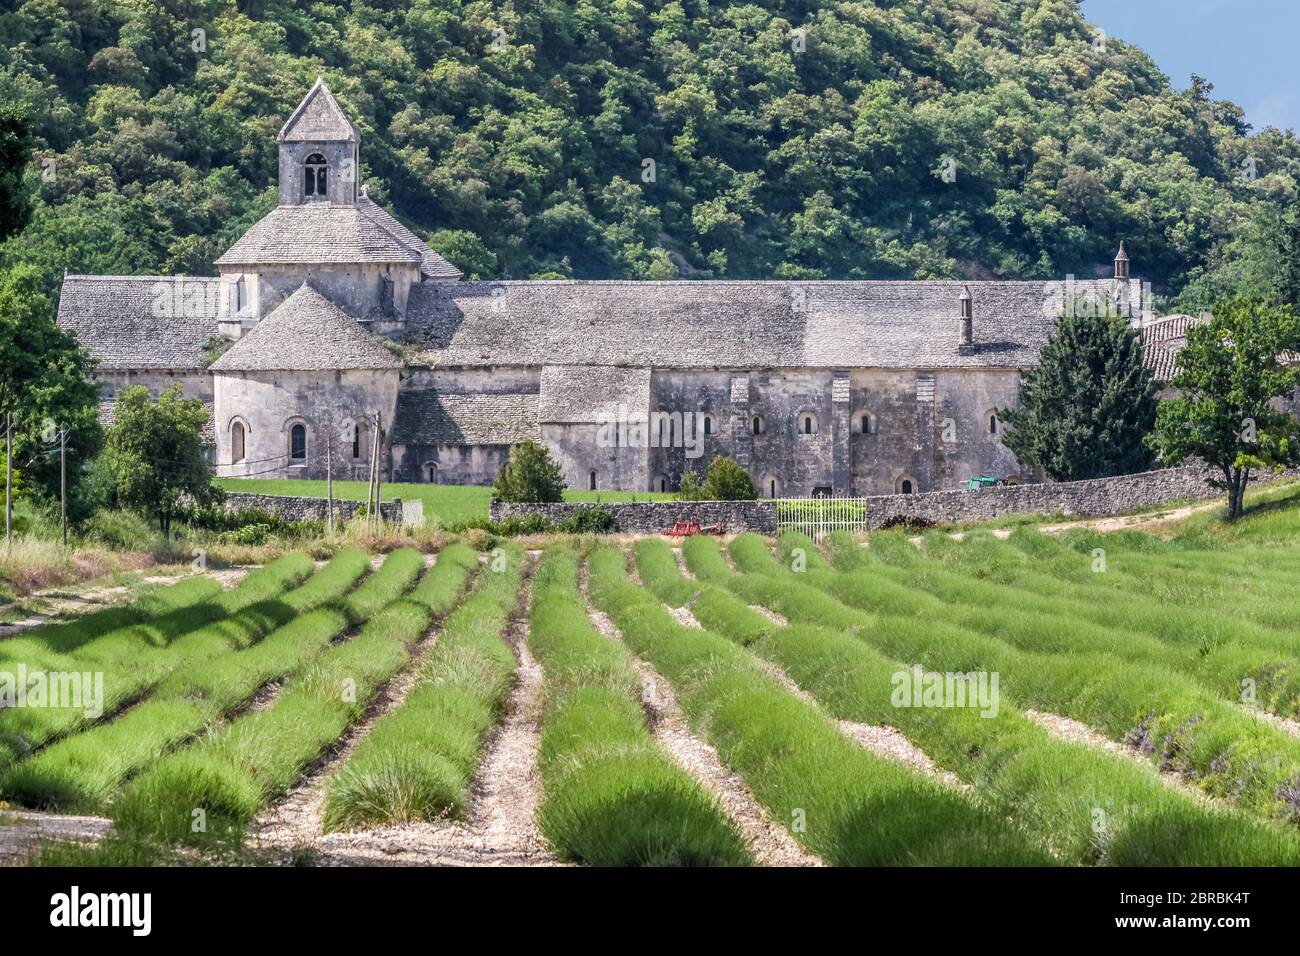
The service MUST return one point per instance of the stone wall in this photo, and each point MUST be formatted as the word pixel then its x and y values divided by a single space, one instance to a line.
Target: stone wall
pixel 654 517
pixel 308 509
pixel 1096 498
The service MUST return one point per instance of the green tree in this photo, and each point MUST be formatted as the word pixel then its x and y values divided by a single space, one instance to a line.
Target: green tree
pixel 1231 373
pixel 44 387
pixel 727 481
pixel 1087 408
pixel 16 144
pixel 531 474
pixel 691 487
pixel 155 453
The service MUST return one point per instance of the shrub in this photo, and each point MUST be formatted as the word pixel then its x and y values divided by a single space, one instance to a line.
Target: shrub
pixel 691 488
pixel 120 530
pixel 252 534
pixel 911 522
pixel 596 520
pixel 727 481
pixel 531 474
pixel 510 527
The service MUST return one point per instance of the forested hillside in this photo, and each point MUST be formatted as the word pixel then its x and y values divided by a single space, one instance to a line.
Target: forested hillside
pixel 898 138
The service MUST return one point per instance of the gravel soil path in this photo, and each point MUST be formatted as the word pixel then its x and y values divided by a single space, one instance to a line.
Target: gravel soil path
pixel 24 832
pixel 500 828
pixel 771 843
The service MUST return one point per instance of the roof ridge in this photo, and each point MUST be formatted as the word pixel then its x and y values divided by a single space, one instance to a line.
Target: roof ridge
pixel 138 278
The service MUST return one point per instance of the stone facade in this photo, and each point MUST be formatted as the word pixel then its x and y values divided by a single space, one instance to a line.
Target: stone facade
pixel 836 387
pixel 329 405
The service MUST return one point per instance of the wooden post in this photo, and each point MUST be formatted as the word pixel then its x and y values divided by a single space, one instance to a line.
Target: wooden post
pixel 374 457
pixel 370 491
pixel 329 488
pixel 63 482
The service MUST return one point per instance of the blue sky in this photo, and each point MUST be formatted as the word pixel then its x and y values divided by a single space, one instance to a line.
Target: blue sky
pixel 1246 48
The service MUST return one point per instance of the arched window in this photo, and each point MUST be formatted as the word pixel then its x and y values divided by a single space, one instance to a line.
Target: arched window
pixel 865 422
pixel 237 442
pixel 991 421
pixel 359 440
pixel 708 424
pixel 758 424
pixel 315 171
pixel 241 295
pixel 905 485
pixel 591 480
pixel 805 422
pixel 298 442
pixel 431 473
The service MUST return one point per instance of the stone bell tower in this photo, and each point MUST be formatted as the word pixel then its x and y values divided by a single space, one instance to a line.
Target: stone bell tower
pixel 319 151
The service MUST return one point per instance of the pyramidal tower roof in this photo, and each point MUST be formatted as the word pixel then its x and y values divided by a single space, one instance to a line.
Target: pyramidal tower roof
pixel 318 118
pixel 306 332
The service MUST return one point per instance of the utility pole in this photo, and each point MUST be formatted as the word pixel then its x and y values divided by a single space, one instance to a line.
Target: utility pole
pixel 63 482
pixel 9 481
pixel 329 487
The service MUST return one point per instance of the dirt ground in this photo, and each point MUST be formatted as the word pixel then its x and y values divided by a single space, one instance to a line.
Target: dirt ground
pixel 62 603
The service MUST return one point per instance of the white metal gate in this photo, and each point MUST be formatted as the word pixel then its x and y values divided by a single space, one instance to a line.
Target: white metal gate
pixel 818 517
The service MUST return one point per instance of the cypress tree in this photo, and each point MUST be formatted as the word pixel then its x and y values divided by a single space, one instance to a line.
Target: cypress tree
pixel 1086 409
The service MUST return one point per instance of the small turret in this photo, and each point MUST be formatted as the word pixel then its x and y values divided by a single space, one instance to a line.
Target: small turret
pixel 966 326
pixel 1121 262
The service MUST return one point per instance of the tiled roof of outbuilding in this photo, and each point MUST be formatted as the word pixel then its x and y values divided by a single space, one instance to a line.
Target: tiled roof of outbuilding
pixel 141 322
pixel 580 394
pixel 317 232
pixel 306 332
pixel 731 324
pixel 1162 339
pixel 429 417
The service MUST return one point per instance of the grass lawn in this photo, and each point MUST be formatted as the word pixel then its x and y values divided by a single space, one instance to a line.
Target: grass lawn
pixel 452 504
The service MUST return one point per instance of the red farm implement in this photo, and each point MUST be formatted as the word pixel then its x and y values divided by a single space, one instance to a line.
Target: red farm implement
pixel 684 529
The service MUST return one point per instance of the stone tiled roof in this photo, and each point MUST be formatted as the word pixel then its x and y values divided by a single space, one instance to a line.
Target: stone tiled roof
pixel 429 417
pixel 318 118
pixel 318 232
pixel 1162 339
pixel 433 265
pixel 579 394
pixel 141 322
pixel 306 332
pixel 728 324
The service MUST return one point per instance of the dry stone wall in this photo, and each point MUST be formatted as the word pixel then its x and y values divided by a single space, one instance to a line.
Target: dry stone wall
pixel 292 508
pixel 655 517
pixel 1097 498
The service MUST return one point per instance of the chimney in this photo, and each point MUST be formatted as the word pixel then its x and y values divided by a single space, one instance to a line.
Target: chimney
pixel 966 336
pixel 1121 262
